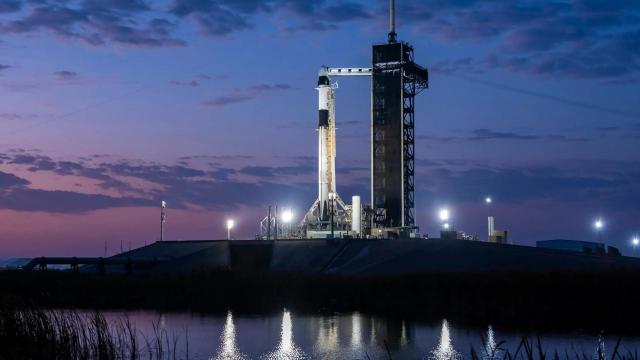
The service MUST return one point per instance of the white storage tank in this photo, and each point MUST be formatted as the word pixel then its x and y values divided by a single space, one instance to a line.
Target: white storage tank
pixel 356 215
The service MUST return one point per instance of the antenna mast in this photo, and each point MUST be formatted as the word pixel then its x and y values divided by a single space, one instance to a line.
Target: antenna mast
pixel 392 21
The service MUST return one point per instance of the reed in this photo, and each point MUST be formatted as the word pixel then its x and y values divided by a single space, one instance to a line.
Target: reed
pixel 531 348
pixel 69 335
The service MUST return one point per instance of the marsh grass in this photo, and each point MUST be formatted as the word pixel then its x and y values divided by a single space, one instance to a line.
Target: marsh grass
pixel 533 349
pixel 69 335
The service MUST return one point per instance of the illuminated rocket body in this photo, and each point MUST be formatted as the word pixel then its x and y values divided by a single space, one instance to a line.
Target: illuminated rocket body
pixel 318 220
pixel 326 146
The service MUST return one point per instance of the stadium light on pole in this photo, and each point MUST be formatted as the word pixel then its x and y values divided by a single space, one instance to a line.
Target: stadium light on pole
pixel 443 214
pixel 163 218
pixel 488 200
pixel 598 226
pixel 230 225
pixel 287 218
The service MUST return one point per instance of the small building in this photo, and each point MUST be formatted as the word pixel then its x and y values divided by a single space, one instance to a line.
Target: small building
pixel 448 235
pixel 588 247
pixel 499 236
pixel 456 235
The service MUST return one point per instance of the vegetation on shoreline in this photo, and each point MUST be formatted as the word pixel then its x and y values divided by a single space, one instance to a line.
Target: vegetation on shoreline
pixel 68 335
pixel 51 335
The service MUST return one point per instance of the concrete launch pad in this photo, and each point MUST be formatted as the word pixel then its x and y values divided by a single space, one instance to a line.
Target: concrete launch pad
pixel 357 257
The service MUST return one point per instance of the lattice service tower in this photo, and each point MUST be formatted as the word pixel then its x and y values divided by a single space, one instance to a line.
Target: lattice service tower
pixel 395 81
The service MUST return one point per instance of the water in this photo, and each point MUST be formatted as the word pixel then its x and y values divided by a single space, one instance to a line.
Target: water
pixel 344 336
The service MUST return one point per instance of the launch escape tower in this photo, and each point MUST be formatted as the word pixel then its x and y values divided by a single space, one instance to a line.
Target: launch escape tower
pixel 395 81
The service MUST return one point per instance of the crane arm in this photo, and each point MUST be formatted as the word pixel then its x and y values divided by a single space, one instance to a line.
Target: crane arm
pixel 327 71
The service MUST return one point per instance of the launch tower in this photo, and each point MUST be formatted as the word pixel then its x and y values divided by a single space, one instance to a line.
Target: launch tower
pixel 395 81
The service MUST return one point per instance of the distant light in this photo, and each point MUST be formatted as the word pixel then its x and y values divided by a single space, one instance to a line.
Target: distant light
pixel 488 200
pixel 443 214
pixel 599 224
pixel 163 204
pixel 287 216
pixel 230 224
pixel 446 226
pixel 635 241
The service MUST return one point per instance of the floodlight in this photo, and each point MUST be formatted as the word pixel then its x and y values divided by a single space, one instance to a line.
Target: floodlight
pixel 287 216
pixel 444 214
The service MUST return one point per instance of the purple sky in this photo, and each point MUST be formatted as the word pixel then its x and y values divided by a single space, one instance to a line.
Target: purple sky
pixel 108 106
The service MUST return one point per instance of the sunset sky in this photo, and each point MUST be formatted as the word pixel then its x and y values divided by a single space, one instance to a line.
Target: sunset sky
pixel 109 106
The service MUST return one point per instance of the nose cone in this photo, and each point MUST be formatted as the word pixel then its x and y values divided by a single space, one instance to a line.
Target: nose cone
pixel 323 80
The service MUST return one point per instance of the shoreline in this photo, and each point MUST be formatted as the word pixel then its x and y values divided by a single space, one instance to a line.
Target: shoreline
pixel 593 301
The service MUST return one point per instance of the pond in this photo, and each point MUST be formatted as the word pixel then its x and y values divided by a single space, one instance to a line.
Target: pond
pixel 354 336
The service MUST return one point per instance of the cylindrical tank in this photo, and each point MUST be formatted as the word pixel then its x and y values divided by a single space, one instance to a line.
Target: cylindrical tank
pixel 356 215
pixel 491 228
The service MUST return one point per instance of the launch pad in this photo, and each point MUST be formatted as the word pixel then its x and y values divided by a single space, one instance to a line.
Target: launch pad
pixel 395 81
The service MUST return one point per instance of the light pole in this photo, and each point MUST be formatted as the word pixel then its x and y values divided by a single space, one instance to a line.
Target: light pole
pixel 635 242
pixel 287 217
pixel 269 224
pixel 599 225
pixel 163 218
pixel 275 224
pixel 230 224
pixel 490 225
pixel 444 215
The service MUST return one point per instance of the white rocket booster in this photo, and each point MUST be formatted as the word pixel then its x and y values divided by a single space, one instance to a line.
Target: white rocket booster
pixel 326 145
pixel 320 212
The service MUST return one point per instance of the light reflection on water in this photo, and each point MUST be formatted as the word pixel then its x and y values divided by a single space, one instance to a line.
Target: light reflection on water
pixel 491 350
pixel 349 336
pixel 287 349
pixel 445 350
pixel 356 331
pixel 327 339
pixel 228 349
